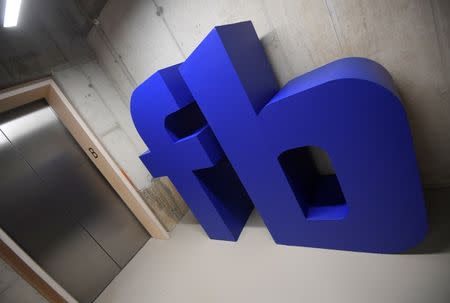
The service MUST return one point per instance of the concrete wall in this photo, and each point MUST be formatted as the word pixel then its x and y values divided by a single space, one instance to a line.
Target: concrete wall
pixel 50 39
pixel 106 112
pixel 49 33
pixel 411 38
pixel 15 289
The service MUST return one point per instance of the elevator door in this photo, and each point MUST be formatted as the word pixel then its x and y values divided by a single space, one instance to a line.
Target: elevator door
pixel 58 207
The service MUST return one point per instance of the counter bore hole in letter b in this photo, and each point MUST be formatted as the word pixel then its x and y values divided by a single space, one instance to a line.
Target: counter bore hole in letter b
pixel 319 195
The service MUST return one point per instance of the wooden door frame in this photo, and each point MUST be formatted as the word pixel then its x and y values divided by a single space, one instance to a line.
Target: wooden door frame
pixel 47 89
pixel 31 272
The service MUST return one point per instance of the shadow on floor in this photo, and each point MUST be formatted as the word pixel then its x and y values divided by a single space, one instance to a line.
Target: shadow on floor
pixel 437 239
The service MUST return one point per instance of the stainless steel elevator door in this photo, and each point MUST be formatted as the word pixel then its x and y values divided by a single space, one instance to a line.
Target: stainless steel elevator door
pixel 58 207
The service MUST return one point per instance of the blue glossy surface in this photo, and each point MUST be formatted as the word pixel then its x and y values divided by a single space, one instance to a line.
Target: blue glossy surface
pixel 193 161
pixel 349 108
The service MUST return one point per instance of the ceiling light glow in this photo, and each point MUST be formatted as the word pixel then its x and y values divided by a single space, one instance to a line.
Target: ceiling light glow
pixel 11 13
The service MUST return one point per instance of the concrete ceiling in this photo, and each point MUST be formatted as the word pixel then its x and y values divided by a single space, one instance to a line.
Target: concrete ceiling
pixel 50 33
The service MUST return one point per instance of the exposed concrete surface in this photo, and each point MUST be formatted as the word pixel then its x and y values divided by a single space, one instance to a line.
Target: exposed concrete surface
pixel 411 38
pixel 107 114
pixel 15 289
pixel 49 33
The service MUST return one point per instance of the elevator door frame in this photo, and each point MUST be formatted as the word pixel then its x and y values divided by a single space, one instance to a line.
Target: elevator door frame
pixel 47 89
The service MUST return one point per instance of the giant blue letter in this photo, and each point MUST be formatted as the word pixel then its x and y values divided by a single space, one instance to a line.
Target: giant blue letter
pixel 183 147
pixel 349 108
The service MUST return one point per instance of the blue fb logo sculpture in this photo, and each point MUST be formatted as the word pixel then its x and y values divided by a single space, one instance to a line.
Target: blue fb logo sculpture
pixel 219 126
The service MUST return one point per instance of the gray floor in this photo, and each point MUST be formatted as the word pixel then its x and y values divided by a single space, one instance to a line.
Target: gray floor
pixel 192 268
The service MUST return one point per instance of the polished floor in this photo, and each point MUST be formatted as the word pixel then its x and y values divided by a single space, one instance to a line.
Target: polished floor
pixel 192 268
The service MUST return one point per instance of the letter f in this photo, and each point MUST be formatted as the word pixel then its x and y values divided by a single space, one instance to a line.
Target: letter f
pixel 183 147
